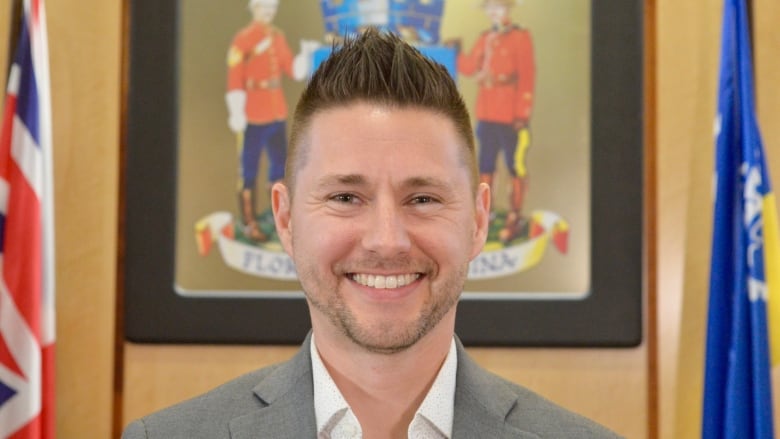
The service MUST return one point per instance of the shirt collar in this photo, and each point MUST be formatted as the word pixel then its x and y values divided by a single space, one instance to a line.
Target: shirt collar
pixel 328 400
pixel 438 407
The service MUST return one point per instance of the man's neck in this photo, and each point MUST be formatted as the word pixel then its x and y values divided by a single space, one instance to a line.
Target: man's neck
pixel 385 390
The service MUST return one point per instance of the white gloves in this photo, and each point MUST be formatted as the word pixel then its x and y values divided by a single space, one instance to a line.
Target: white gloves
pixel 236 99
pixel 236 105
pixel 302 61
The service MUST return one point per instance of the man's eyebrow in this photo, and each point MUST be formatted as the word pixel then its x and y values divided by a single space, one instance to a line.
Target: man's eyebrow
pixel 361 180
pixel 426 182
pixel 342 179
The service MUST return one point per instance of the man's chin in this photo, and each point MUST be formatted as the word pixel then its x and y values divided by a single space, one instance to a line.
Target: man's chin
pixel 383 348
pixel 383 341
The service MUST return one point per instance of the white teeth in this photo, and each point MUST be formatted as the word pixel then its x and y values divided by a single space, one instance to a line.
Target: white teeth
pixel 385 282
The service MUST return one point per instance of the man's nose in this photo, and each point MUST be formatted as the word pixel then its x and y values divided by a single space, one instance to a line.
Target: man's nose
pixel 386 234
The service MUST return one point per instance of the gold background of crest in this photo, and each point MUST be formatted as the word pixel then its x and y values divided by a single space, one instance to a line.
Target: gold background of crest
pixel 558 160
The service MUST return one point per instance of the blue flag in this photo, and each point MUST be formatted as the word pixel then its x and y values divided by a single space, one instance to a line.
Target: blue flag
pixel 737 386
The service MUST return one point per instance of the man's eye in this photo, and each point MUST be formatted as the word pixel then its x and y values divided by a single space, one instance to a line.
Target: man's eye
pixel 344 198
pixel 423 199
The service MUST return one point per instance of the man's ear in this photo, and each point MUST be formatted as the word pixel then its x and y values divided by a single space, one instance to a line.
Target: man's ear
pixel 280 203
pixel 481 218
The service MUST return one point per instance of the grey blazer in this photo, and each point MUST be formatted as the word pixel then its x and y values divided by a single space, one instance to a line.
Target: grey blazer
pixel 277 402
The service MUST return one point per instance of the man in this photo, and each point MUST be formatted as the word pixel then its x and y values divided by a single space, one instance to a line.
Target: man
pixel 381 210
pixel 257 59
pixel 502 61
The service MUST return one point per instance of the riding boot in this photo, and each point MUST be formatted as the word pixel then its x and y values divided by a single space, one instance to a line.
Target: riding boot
pixel 246 205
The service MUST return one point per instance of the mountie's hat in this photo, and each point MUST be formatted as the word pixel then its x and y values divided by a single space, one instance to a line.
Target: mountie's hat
pixel 416 21
pixel 260 2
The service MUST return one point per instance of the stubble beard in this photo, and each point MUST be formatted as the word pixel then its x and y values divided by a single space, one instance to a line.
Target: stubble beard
pixel 386 336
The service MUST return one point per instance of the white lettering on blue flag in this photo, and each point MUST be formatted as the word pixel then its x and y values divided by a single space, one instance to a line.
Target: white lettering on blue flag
pixel 753 202
pixel 753 198
pixel 757 290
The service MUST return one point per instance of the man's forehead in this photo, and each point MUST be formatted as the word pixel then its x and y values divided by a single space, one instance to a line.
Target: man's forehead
pixel 322 138
pixel 373 121
pixel 364 180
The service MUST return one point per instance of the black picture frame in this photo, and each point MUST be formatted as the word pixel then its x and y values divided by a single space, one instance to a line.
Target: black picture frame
pixel 610 316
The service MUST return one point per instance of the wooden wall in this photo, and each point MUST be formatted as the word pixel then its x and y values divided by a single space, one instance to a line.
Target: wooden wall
pixel 84 48
pixel 607 385
pixel 687 55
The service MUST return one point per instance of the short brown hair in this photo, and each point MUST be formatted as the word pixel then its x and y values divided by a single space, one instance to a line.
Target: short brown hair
pixel 379 67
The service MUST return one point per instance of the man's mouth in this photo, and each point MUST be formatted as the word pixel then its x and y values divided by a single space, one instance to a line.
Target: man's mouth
pixel 384 282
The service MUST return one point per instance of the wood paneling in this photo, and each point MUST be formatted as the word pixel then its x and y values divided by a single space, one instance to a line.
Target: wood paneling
pixel 5 26
pixel 686 69
pixel 84 54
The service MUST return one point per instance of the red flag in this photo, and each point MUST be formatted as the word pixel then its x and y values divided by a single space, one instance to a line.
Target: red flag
pixel 26 239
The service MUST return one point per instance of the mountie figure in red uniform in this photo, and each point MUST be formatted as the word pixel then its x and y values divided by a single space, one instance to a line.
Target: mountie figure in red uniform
pixel 502 62
pixel 257 59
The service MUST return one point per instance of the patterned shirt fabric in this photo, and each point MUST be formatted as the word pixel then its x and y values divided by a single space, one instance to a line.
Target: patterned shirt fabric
pixel 433 420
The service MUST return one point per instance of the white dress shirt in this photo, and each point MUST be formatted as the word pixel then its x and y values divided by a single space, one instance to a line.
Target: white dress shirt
pixel 433 420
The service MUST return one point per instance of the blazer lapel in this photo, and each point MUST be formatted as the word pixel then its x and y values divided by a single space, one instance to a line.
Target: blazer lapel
pixel 288 397
pixel 481 406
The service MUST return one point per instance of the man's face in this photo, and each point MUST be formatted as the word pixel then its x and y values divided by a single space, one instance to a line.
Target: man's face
pixel 264 11
pixel 497 12
pixel 382 224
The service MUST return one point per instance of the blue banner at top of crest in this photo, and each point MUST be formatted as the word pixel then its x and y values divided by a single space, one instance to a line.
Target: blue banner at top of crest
pixel 415 20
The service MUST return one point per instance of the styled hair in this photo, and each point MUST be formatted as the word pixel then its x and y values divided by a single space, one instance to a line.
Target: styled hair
pixel 378 67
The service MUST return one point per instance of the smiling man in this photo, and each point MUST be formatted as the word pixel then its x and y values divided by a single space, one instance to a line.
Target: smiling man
pixel 381 210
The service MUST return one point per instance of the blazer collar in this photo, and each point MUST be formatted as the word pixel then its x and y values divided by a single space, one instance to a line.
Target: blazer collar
pixel 287 395
pixel 482 403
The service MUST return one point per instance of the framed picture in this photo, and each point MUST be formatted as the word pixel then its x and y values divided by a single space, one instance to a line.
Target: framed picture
pixel 563 265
